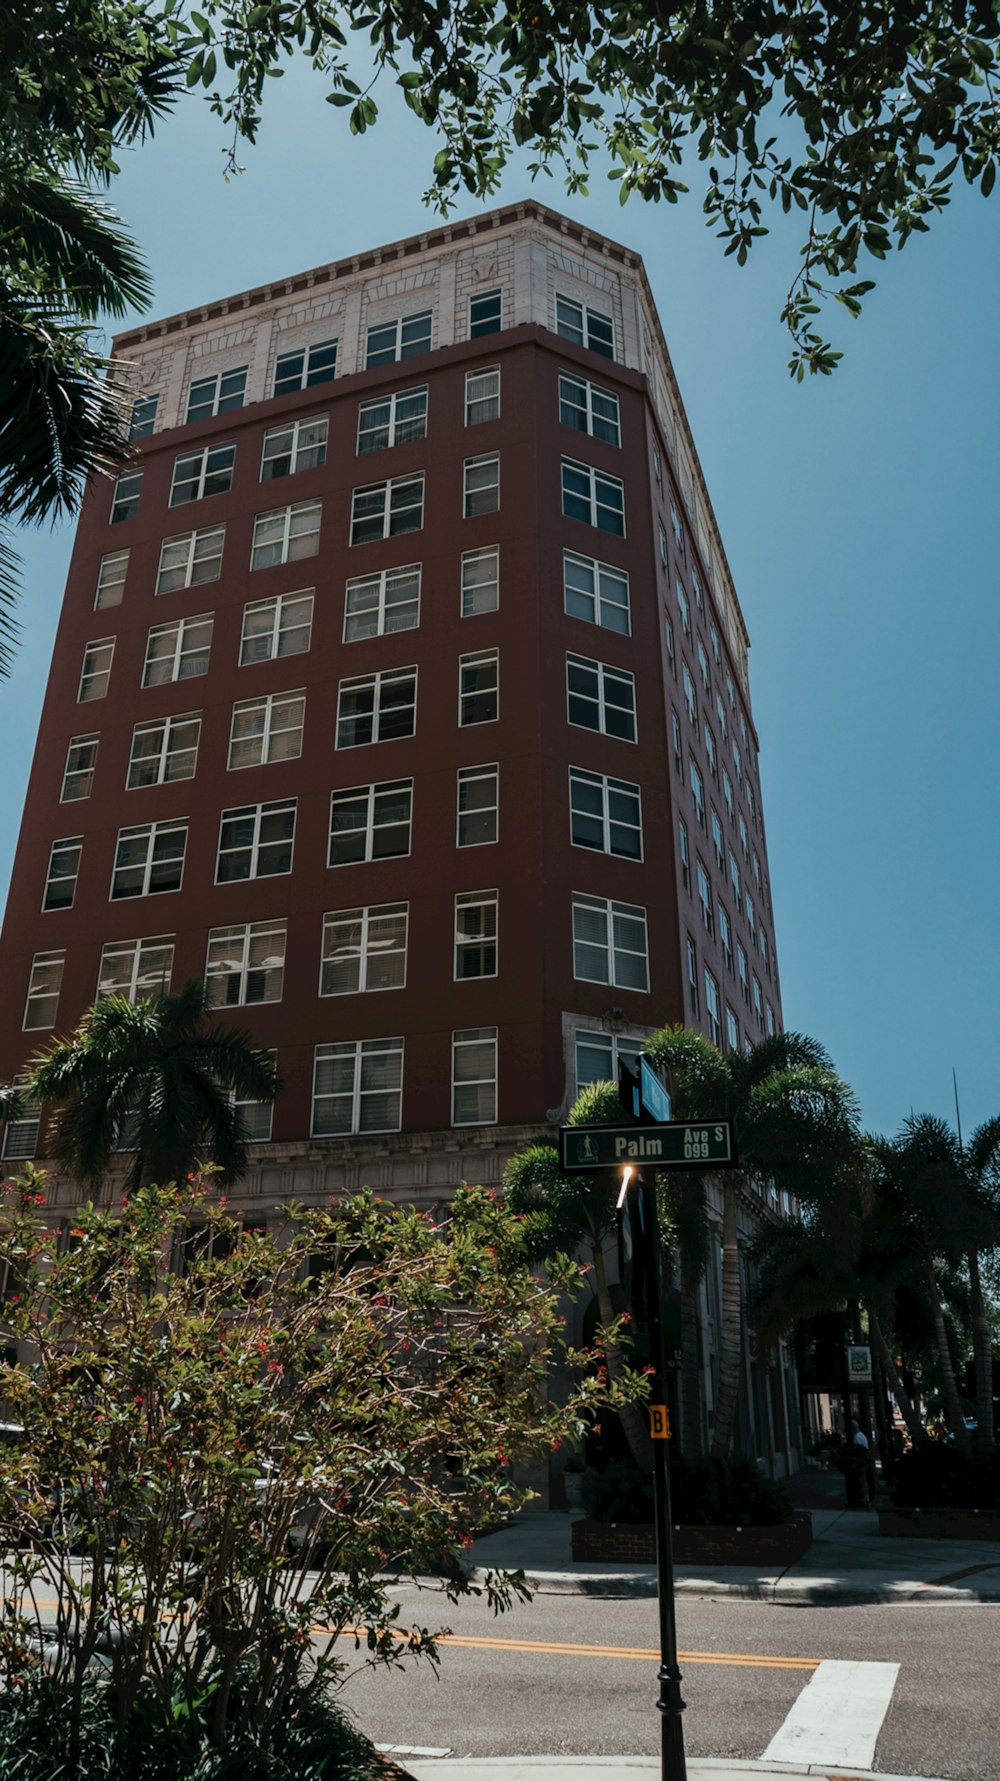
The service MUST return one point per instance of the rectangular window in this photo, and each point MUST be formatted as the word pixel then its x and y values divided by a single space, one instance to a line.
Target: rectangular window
pixel 677 528
pixel 276 628
pixel 218 393
pixel 732 1030
pixel 163 750
pixel 684 851
pixel 588 327
pixel 697 792
pixel 478 805
pixel 377 605
pixel 694 994
pixel 727 793
pixel 257 1117
pixel 370 822
pixel 480 581
pixel 609 943
pixel 713 1009
pixel 399 339
pixel 605 814
pixel 600 698
pixel 149 858
pixel 596 592
pixel 125 500
pixel 482 395
pixel 690 696
pixel 20 1136
pixel 758 1006
pixel 710 751
pixel 475 934
pixel 474 1076
pixel 198 474
pixel 593 497
pixel 668 639
pixel 387 509
pixel 300 445
pixel 485 313
pixel 357 1087
pixel 111 579
pixel 682 606
pixel 78 773
pixel 61 877
pixel 285 534
pixel 245 964
pixel 769 1020
pixel 599 1054
pixel 589 409
pixel 44 985
pixel 364 950
pixel 178 651
pixel 143 417
pixel 705 899
pixel 96 670
pixel 743 972
pixel 741 829
pixel 377 707
pixel 267 729
pixel 189 559
pixel 751 915
pixel 703 667
pixel 479 687
pixel 392 420
pixel 136 969
pixel 481 485
pixel 676 742
pixel 306 366
pixel 715 826
pixel 735 879
pixel 726 937
pixel 256 841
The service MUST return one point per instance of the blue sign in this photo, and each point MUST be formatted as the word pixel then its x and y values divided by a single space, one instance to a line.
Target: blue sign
pixel 655 1098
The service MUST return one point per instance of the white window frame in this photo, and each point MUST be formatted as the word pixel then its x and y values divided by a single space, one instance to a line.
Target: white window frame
pixel 607 789
pixel 90 741
pixel 258 813
pixel 615 1047
pixel 480 592
pixel 295 535
pixel 222 399
pixel 466 944
pixel 306 379
pixel 183 650
pixel 170 752
pixel 63 870
pixel 280 732
pixel 480 490
pixel 399 348
pixel 389 788
pixel 610 910
pixel 300 445
pixel 713 1008
pixel 368 920
pixel 378 684
pixel 475 330
pixel 588 327
pixel 463 1041
pixel 482 392
pixel 363 1049
pixel 94 671
pixel 20 1136
pixel 391 490
pixel 697 785
pixel 207 472
pixel 280 605
pixel 40 990
pixel 140 954
pixel 152 832
pixel 143 418
pixel 398 429
pixel 471 663
pixel 110 583
pixel 125 497
pixel 576 397
pixel 193 553
pixel 706 901
pixel 384 602
pixel 606 676
pixel 599 484
pixel 471 776
pixel 602 576
pixel 240 941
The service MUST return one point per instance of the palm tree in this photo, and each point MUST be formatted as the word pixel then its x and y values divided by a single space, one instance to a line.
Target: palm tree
pixel 155 1077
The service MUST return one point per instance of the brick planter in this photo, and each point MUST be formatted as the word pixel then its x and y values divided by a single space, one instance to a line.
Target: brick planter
pixel 619 1543
pixel 938 1524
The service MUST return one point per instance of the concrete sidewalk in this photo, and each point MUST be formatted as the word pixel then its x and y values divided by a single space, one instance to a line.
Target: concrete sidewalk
pixel 619 1768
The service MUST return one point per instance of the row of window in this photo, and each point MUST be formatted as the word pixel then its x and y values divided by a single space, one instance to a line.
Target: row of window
pixel 750 991
pixel 709 905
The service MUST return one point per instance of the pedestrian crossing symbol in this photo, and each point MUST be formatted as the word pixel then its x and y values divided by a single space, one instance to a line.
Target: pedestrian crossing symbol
pixel 659 1425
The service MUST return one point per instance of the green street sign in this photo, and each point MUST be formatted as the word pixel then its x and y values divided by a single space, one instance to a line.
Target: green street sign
pixel 681 1144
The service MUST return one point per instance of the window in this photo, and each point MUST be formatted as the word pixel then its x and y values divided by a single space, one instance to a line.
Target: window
pixel 737 761
pixel 481 485
pixel 697 792
pixel 690 696
pixel 765 953
pixel 285 534
pixel 593 497
pixel 136 969
pixel 668 638
pixel 44 985
pixel 715 826
pixel 474 1076
pixel 387 509
pixel 149 858
pixel 266 730
pixel 769 1020
pixel 726 938
pixel 485 313
pixel 479 687
pixel 357 1087
pixel 713 1009
pixel 257 1117
pixel 245 964
pixel 661 538
pixel 371 822
pixel 676 743
pixel 189 559
pixel 758 1006
pixel 730 692
pixel 475 934
pixel 377 707
pixel 596 592
pixel 685 852
pixel 198 474
pixel 589 408
pixel 376 605
pixel 20 1136
pixel 364 950
pixel 694 994
pixel 478 801
pixel 111 579
pixel 657 467
pixel 306 366
pixel 60 879
pixel 301 445
pixel 143 417
pixel 600 698
pixel 178 651
pixel 605 814
pixel 677 527
pixel 711 751
pixel 78 773
pixel 96 670
pixel 609 943
pixel 163 750
pixel 392 420
pixel 732 1030
pixel 703 667
pixel 217 393
pixel 751 915
pixel 743 972
pixel 586 326
pixel 125 500
pixel 482 395
pixel 599 1054
pixel 735 879
pixel 705 899
pixel 720 712
pixel 741 829
pixel 256 841
pixel 683 607
pixel 727 793
pixel 399 339
pixel 480 581
pixel 276 628
pixel 698 599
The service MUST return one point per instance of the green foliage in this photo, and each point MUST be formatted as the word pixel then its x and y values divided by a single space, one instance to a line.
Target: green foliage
pixel 937 1475
pixel 564 1211
pixel 703 1492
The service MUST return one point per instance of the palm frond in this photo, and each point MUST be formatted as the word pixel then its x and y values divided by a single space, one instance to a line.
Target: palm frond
pixel 10 588
pixel 68 248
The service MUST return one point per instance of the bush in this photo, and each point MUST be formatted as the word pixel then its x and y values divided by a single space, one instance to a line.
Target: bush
pixel 704 1493
pixel 937 1475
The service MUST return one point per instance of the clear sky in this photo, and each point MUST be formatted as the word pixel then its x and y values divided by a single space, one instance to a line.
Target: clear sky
pixel 856 512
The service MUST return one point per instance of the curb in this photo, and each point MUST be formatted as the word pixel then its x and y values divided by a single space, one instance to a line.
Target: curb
pixel 620 1585
pixel 566 1768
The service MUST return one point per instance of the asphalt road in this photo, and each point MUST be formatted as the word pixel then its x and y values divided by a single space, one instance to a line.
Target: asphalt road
pixel 507 1692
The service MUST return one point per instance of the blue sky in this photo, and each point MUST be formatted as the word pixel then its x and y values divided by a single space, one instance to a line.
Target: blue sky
pixel 856 515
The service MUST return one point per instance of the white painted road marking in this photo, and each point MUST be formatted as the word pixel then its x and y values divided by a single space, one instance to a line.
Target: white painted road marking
pixel 837 1717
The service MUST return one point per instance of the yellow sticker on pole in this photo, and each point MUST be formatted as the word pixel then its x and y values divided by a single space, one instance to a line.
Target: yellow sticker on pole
pixel 659 1426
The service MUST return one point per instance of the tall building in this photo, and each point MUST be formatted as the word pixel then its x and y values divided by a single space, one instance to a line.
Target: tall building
pixel 400 690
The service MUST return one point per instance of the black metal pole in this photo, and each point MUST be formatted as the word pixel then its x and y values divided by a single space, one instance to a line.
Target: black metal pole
pixel 671 1702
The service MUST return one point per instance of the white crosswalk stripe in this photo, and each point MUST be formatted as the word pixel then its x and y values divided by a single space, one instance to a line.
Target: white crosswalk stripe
pixel 837 1717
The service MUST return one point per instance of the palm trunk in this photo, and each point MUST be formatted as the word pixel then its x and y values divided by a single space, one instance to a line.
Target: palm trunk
pixel 731 1333
pixel 690 1369
pixel 915 1427
pixel 956 1421
pixel 982 1349
pixel 631 1416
